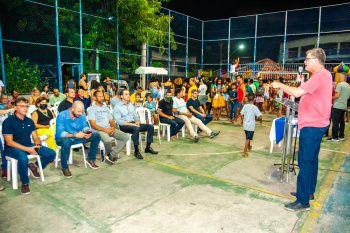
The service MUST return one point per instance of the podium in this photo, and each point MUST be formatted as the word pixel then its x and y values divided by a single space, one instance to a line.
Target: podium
pixel 287 165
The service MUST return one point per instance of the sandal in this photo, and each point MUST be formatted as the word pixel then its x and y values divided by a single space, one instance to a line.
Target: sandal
pixel 2 188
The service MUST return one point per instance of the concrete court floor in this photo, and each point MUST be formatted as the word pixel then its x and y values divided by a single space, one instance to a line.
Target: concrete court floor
pixel 187 187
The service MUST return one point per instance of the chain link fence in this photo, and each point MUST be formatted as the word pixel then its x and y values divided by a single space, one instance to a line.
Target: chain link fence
pixel 70 37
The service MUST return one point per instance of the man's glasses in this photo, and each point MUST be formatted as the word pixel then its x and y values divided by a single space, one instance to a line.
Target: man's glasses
pixel 308 58
pixel 23 106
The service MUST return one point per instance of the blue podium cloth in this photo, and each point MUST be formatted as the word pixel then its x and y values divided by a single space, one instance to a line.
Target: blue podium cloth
pixel 279 128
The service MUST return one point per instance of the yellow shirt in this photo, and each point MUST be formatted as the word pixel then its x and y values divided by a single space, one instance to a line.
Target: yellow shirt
pixel 194 87
pixel 132 98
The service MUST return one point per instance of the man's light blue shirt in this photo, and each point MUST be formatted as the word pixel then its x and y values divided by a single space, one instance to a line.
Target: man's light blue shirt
pixel 124 113
pixel 65 124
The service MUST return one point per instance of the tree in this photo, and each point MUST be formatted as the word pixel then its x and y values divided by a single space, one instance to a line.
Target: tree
pixel 139 21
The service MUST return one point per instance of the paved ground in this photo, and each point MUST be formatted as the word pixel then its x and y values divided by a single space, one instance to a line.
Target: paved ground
pixel 188 187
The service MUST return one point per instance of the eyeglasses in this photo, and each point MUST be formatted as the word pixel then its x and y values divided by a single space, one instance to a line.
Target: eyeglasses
pixel 308 58
pixel 23 106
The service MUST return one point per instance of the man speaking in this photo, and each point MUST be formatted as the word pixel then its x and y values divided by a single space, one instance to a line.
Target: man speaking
pixel 313 121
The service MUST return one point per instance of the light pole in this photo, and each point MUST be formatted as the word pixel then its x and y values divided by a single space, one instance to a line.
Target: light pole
pixel 239 47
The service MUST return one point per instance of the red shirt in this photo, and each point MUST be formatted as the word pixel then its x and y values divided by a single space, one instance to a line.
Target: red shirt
pixel 315 106
pixel 240 93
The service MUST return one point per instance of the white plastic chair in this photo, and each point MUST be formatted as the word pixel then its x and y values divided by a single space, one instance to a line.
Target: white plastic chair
pixel 12 169
pixel 31 109
pixel 57 103
pixel 55 110
pixel 165 127
pixel 195 127
pixel 141 112
pixel 79 145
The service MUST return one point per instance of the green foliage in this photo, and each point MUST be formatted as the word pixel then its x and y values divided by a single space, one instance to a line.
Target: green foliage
pixel 157 64
pixel 22 77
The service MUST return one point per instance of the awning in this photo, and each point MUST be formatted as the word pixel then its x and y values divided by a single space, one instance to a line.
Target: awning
pixel 151 70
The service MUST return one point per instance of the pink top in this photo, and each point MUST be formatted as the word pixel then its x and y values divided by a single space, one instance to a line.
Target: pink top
pixel 315 106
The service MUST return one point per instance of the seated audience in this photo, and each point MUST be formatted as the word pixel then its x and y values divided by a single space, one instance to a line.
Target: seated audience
pixel 67 103
pixel 139 91
pixel 57 97
pixel 180 108
pixel 125 116
pixel 4 103
pixel 3 116
pixel 34 96
pixel 17 130
pixel 45 92
pixel 82 98
pixel 72 128
pixel 116 99
pixel 196 109
pixel 165 111
pixel 42 117
pixel 138 102
pixel 102 122
pixel 151 106
pixel 14 96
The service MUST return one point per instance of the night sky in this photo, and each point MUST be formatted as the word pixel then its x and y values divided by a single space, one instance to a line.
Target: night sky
pixel 223 9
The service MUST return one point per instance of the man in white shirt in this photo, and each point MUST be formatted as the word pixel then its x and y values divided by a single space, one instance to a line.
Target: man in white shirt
pixel 181 111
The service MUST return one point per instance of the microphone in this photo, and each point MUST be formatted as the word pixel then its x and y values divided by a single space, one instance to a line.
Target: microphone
pixel 301 68
pixel 299 80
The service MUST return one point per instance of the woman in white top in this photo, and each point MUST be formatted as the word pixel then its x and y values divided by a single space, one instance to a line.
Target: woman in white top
pixel 202 97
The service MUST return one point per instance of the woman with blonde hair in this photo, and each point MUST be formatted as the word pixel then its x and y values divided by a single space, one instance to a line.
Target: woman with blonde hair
pixel 35 95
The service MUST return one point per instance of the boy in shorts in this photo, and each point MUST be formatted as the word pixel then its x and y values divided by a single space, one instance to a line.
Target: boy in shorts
pixel 248 114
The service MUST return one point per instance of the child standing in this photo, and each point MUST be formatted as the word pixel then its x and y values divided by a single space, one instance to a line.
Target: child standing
pixel 248 114
pixel 151 105
pixel 233 97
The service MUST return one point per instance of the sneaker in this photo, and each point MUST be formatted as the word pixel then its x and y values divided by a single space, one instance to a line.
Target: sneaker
pixel 91 164
pixel 196 139
pixel 25 189
pixel 296 206
pixel 312 196
pixel 67 173
pixel 341 138
pixel 109 159
pixel 102 155
pixel 4 174
pixel 214 134
pixel 333 139
pixel 33 170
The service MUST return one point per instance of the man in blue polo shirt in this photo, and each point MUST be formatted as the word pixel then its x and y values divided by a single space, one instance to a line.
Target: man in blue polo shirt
pixel 82 98
pixel 17 130
pixel 72 128
pixel 196 109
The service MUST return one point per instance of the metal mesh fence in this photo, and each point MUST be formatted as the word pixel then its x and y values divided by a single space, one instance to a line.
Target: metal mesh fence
pixel 70 38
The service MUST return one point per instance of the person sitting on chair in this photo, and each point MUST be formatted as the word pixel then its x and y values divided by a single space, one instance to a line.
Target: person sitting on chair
pixel 165 111
pixel 17 130
pixel 125 116
pixel 102 122
pixel 72 128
